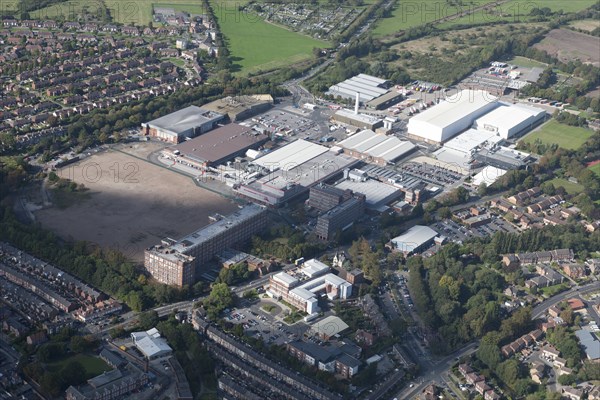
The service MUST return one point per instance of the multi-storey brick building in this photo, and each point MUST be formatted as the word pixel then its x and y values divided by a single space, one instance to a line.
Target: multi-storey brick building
pixel 340 217
pixel 174 262
pixel 324 197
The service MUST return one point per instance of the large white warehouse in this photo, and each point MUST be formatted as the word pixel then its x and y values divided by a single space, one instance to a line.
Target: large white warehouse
pixel 510 120
pixel 453 115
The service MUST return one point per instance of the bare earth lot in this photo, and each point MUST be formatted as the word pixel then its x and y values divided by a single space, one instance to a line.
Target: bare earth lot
pixel 569 45
pixel 132 203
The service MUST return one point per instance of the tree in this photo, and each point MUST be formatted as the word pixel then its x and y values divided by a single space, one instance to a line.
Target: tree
pixel 72 374
pixel 567 380
pixel 148 319
pixel 220 298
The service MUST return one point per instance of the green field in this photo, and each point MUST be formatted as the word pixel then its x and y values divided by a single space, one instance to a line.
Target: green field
pixel 570 187
pixel 526 62
pixel 595 169
pixel 567 137
pixel 256 45
pixel 93 365
pixel 518 11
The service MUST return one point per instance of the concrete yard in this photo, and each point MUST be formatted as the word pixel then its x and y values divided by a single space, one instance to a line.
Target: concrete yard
pixel 132 203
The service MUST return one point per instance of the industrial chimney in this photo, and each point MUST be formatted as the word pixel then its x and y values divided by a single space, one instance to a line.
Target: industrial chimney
pixel 357 103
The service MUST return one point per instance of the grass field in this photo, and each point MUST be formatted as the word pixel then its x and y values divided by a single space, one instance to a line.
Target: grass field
pixel 570 187
pixel 567 137
pixel 595 169
pixel 526 62
pixel 256 45
pixel 94 366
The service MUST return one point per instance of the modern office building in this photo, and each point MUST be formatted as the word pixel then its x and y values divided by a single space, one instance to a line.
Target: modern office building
pixel 301 288
pixel 340 217
pixel 175 262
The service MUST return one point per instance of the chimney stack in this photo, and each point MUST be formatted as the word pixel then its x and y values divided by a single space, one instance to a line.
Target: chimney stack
pixel 357 103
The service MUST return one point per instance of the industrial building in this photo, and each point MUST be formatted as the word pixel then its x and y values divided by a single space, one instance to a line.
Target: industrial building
pixel 291 171
pixel 413 187
pixel 360 121
pixel 414 240
pixel 175 262
pixel 374 148
pixel 385 101
pixel 460 149
pixel 151 344
pixel 340 217
pixel 590 343
pixel 238 108
pixel 215 147
pixel 188 122
pixel 302 288
pixel 507 121
pixel 451 116
pixel 377 194
pixel 503 157
pixel 368 88
pixel 488 175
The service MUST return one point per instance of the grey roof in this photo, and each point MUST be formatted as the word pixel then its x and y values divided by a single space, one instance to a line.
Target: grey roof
pixel 533 75
pixel 185 119
pixel 112 358
pixel 590 344
pixel 414 238
pixel 348 360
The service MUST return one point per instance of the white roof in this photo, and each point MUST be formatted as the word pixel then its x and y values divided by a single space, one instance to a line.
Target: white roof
pixel 302 293
pixel 471 139
pixel 488 175
pixel 314 267
pixel 336 280
pixel 285 278
pixel 455 107
pixel 291 155
pixel 151 347
pixel 364 118
pixel 508 116
pixel 366 85
pixel 414 238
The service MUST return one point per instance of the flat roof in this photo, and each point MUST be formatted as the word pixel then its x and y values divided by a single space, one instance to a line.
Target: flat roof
pixel 455 107
pixel 219 143
pixel 314 267
pixel 212 230
pixel 329 326
pixel 471 139
pixel 235 105
pixel 506 117
pixel 375 191
pixel 185 119
pixel 488 175
pixel 414 238
pixel 285 278
pixel 291 155
pixel 363 118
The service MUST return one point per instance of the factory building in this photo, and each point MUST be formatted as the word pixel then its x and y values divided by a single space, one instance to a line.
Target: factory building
pixel 507 121
pixel 385 101
pixel 302 288
pixel 414 240
pixel 174 262
pixel 291 171
pixel 377 194
pixel 368 88
pixel 238 108
pixel 340 217
pixel 188 122
pixel 488 175
pixel 360 121
pixel 215 147
pixel 456 113
pixel 374 148
pixel 503 157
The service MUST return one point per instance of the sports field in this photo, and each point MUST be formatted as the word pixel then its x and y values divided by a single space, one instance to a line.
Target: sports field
pixel 567 137
pixel 256 45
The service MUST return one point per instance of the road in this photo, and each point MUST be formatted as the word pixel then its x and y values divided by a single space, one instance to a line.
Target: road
pixel 573 292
